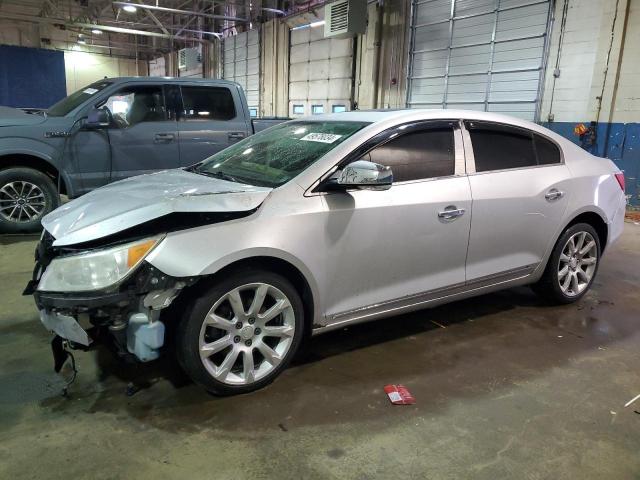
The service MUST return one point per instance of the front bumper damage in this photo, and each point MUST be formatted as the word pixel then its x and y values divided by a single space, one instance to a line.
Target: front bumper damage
pixel 126 317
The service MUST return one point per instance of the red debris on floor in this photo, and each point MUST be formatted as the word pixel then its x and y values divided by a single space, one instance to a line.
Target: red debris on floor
pixel 399 395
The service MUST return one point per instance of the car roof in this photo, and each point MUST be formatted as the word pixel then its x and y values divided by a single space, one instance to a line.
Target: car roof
pixel 171 80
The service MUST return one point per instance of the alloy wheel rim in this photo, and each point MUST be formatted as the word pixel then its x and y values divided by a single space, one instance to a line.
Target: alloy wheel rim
pixel 21 202
pixel 246 334
pixel 577 263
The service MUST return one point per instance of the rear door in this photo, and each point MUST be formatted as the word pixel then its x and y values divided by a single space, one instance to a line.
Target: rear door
pixel 395 247
pixel 520 187
pixel 209 121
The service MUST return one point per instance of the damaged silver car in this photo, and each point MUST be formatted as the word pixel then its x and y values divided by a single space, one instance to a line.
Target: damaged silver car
pixel 316 224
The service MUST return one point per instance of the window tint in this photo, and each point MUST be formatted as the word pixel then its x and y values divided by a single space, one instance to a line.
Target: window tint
pixel 207 103
pixel 496 147
pixel 137 104
pixel 416 155
pixel 547 152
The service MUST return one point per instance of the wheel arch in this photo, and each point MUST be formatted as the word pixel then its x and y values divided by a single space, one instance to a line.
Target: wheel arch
pixel 594 219
pixel 305 287
pixel 39 163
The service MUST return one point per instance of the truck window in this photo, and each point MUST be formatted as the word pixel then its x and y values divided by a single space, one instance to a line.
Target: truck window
pixel 207 103
pixel 136 104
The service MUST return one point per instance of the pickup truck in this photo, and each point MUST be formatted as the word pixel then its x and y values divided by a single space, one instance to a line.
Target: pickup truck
pixel 113 129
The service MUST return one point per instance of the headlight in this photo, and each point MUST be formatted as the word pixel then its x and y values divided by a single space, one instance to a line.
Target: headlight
pixel 95 270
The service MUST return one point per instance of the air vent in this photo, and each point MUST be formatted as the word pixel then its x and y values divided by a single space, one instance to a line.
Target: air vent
pixel 188 58
pixel 345 18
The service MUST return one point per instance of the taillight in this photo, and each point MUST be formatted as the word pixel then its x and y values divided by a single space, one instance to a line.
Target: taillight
pixel 620 178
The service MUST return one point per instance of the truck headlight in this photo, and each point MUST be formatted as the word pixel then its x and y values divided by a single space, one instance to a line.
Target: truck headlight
pixel 95 270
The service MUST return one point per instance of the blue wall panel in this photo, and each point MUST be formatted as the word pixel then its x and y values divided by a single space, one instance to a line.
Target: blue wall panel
pixel 618 141
pixel 31 77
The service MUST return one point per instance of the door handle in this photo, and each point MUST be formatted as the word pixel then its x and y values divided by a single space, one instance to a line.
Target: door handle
pixel 235 135
pixel 554 194
pixel 451 212
pixel 164 138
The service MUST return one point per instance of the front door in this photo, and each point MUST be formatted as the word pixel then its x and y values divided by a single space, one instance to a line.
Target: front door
pixel 521 190
pixel 392 248
pixel 144 138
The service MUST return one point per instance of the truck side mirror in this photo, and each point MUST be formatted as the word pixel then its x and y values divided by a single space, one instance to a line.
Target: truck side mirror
pixel 98 118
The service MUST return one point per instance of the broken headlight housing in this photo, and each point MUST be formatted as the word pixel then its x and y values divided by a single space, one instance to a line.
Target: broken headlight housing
pixel 95 269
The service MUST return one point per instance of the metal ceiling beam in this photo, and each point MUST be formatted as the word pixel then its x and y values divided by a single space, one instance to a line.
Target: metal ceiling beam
pixel 155 20
pixel 106 28
pixel 180 12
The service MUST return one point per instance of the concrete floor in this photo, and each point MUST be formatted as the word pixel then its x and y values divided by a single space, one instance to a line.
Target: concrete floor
pixel 508 389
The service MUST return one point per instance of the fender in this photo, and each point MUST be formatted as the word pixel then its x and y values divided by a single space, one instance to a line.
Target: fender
pixel 246 254
pixel 37 149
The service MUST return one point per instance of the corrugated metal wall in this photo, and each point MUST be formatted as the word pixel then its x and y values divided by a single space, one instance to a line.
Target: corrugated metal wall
pixel 478 54
pixel 242 65
pixel 320 72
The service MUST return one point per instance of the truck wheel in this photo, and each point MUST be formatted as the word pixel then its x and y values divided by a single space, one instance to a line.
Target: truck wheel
pixel 241 333
pixel 26 195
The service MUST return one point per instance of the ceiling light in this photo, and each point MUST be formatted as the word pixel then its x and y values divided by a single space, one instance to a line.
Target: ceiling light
pixel 81 40
pixel 130 8
pixel 95 31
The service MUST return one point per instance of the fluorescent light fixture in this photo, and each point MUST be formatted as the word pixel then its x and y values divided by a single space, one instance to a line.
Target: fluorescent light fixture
pixel 130 8
pixel 82 40
pixel 312 25
pixel 95 31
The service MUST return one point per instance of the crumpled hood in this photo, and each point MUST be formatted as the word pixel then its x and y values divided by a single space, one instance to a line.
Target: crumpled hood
pixel 12 117
pixel 136 200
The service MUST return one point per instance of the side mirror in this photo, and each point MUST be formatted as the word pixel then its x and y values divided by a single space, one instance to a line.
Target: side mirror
pixel 98 118
pixel 366 175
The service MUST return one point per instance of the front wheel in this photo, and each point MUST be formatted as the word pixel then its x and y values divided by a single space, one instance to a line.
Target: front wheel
pixel 572 266
pixel 241 333
pixel 26 195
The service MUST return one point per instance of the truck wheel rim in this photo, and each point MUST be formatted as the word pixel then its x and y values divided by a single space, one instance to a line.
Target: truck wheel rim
pixel 21 202
pixel 577 264
pixel 247 334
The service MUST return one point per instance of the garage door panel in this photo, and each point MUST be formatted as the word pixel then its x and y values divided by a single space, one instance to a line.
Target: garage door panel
pixel 432 37
pixel 299 72
pixel 315 33
pixel 430 63
pixel 341 47
pixel 339 88
pixel 253 51
pixel 472 88
pixel 320 50
pixel 493 57
pixel 525 111
pixel 340 67
pixel 253 66
pixel 318 89
pixel 473 7
pixel 319 69
pixel 433 11
pixel 241 63
pixel 522 22
pixel 299 36
pixel 299 53
pixel 298 90
pixel 473 30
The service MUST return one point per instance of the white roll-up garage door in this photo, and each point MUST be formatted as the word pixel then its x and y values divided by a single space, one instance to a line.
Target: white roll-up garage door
pixel 242 65
pixel 478 54
pixel 320 72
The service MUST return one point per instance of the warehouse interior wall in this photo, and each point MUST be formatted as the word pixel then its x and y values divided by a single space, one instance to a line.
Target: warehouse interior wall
pixel 593 78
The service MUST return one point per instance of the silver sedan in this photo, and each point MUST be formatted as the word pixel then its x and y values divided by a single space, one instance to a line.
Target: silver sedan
pixel 320 223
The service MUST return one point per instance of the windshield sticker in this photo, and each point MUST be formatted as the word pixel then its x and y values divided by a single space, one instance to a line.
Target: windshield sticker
pixel 90 91
pixel 321 137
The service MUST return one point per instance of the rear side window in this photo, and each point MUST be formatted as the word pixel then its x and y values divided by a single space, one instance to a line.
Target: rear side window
pixel 207 103
pixel 547 152
pixel 418 155
pixel 497 147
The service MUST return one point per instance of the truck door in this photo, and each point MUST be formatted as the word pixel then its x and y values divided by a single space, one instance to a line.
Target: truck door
pixel 144 137
pixel 209 121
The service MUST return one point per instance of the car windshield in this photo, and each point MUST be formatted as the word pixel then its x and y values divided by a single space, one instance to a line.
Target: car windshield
pixel 67 104
pixel 274 156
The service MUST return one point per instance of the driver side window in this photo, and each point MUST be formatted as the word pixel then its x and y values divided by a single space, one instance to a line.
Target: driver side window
pixel 137 104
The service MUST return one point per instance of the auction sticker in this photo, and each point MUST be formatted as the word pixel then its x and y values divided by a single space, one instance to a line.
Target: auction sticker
pixel 321 137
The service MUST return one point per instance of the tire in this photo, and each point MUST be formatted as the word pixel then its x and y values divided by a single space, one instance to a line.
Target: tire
pixel 560 288
pixel 34 195
pixel 235 339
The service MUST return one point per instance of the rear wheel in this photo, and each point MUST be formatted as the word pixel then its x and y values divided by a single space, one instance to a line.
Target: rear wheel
pixel 26 195
pixel 241 333
pixel 572 266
